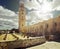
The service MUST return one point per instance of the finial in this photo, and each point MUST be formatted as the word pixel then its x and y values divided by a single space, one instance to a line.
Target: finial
pixel 21 3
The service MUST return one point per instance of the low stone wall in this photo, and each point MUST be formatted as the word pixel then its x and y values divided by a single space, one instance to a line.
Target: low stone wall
pixel 26 43
pixel 22 43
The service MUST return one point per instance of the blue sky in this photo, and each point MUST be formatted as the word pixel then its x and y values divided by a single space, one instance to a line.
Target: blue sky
pixel 37 11
pixel 10 4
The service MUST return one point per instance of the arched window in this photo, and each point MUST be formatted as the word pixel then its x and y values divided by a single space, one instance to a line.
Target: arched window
pixel 22 17
pixel 22 13
pixel 41 26
pixel 55 24
pixel 22 24
pixel 47 25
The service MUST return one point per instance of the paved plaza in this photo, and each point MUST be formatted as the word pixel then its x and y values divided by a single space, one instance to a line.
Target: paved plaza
pixel 47 45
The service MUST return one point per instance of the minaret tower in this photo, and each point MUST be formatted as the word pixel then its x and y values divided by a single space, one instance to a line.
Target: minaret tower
pixel 22 18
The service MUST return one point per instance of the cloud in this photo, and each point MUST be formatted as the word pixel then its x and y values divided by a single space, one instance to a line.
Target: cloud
pixel 6 12
pixel 57 8
pixel 35 17
pixel 8 18
pixel 33 4
pixel 56 3
pixel 37 11
pixel 40 10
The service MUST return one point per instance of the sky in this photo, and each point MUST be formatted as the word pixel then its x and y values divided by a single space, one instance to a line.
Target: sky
pixel 37 11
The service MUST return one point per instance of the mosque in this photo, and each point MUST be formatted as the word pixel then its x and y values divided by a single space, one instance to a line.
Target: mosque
pixel 49 28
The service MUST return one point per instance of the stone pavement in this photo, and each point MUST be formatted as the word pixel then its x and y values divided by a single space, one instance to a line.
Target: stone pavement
pixel 47 45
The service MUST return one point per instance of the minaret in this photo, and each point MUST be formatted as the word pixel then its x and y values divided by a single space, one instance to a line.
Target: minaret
pixel 22 18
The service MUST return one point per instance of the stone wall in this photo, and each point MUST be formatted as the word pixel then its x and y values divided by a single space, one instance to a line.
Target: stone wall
pixel 26 42
pixel 46 28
